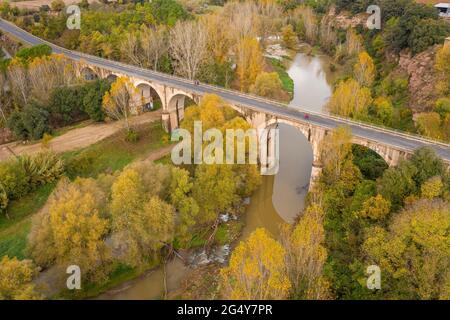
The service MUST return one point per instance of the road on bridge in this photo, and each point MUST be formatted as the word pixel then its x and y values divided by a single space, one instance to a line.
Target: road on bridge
pixel 396 139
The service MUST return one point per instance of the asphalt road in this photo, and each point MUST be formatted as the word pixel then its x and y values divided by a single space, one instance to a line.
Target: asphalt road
pixel 398 140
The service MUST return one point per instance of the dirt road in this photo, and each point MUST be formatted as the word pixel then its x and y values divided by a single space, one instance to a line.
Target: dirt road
pixel 77 138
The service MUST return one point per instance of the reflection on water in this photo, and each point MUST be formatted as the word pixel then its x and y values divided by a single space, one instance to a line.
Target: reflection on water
pixel 292 180
pixel 261 212
pixel 312 80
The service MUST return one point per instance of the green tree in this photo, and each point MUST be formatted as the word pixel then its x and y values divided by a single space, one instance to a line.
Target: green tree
pixel 428 164
pixel 397 183
pixel 92 99
pixel 214 190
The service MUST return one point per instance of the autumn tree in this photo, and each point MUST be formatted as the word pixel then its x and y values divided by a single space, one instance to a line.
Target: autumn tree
pixel 350 100
pixel 18 78
pixel 267 85
pixel 353 42
pixel 256 270
pixel 154 46
pixel 430 124
pixel 270 18
pixel 289 37
pixel 306 23
pixel 141 225
pixel 214 190
pixel 432 188
pixel 242 19
pixel 71 230
pixel 187 208
pixel 375 208
pixel 188 44
pixel 364 69
pixel 119 101
pixel 16 279
pixel 335 154
pixel 306 255
pixel 413 253
pixel 383 110
pixel 249 62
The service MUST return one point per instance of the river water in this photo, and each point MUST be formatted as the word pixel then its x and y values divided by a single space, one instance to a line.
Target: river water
pixel 279 199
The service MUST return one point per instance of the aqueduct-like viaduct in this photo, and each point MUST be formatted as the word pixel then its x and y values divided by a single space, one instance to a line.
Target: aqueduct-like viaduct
pixel 172 91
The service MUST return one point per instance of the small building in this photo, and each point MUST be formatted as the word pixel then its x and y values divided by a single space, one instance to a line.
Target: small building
pixel 444 9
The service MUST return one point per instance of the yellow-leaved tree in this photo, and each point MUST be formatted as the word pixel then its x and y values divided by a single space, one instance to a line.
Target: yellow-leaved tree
pixel 306 255
pixel 364 69
pixel 16 279
pixel 71 230
pixel 256 270
pixel 249 62
pixel 350 100
pixel 413 253
pixel 267 85
pixel 336 156
pixel 119 101
pixel 289 36
pixel 141 225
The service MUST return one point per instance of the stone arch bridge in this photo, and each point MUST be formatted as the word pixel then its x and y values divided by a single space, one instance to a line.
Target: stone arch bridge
pixel 172 91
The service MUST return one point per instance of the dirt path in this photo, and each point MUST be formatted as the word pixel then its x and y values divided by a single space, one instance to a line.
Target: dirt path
pixel 77 138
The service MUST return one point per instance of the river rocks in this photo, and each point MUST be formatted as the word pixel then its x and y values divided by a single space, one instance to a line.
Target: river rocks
pixel 218 254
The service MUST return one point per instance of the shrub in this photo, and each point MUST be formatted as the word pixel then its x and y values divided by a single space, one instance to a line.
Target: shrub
pixel 65 106
pixel 46 140
pixel 14 179
pixel 31 123
pixel 132 136
pixel 43 168
pixel 79 165
pixel 93 93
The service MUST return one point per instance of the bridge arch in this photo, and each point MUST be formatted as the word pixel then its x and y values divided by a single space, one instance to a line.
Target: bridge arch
pixel 88 74
pixel 176 106
pixel 148 97
pixel 296 162
pixel 111 77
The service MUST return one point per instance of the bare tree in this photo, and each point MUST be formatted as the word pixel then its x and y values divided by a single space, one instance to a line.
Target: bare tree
pixel 187 44
pixel 270 20
pixel 118 103
pixel 154 46
pixel 130 48
pixel 49 72
pixel 242 19
pixel 17 75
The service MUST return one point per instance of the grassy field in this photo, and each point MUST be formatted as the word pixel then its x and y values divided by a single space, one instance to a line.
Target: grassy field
pixel 108 155
pixel 114 153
